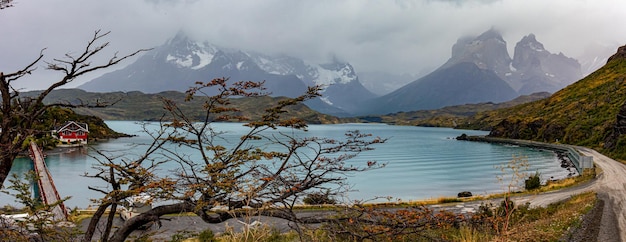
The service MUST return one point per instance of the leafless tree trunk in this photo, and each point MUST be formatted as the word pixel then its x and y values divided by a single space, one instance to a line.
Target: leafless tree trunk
pixel 19 114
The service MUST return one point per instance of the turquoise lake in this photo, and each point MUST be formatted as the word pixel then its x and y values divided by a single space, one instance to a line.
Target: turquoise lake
pixel 422 162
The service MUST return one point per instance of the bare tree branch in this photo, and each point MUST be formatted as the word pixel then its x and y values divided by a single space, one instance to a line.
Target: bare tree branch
pixel 78 66
pixel 213 174
pixel 20 114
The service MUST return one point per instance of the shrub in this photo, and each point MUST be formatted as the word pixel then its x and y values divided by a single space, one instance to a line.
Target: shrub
pixel 318 199
pixel 506 207
pixel 533 182
pixel 448 200
pixel 206 236
pixel 484 210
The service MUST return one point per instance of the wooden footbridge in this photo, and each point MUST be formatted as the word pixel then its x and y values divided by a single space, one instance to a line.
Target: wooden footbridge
pixel 47 190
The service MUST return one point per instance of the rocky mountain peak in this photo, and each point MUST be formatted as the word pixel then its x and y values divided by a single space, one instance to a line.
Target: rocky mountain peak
pixel 184 52
pixel 532 68
pixel 487 51
pixel 536 69
pixel 527 53
pixel 181 61
pixel 530 42
pixel 491 34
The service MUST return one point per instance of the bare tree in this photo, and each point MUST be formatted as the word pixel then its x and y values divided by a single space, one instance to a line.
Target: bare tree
pixel 268 173
pixel 19 114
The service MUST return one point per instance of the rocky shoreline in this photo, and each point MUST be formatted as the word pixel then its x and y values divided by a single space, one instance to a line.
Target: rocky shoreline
pixel 566 163
pixel 562 154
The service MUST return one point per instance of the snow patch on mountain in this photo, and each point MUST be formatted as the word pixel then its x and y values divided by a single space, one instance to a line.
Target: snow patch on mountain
pixel 185 61
pixel 329 76
pixel 313 74
pixel 513 69
pixel 185 53
pixel 326 100
pixel 278 65
pixel 205 59
pixel 194 55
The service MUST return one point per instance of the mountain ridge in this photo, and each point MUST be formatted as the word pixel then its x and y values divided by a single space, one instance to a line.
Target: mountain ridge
pixel 181 61
pixel 459 84
pixel 590 112
pixel 449 116
pixel 138 106
pixel 481 70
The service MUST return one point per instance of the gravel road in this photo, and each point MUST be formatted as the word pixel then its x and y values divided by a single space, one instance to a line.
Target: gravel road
pixel 610 187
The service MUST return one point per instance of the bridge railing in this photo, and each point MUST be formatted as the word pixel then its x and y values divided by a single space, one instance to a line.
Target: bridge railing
pixel 47 189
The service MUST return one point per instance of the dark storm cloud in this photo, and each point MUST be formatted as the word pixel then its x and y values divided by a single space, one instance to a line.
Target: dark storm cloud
pixel 399 36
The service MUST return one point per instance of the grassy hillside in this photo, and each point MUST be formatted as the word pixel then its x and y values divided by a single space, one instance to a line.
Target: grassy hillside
pixel 584 113
pixel 448 116
pixel 145 107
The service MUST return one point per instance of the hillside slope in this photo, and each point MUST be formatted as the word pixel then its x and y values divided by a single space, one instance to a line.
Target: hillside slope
pixel 590 112
pixel 138 106
pixel 449 116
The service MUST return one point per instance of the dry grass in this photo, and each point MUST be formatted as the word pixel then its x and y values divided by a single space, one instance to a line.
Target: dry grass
pixel 539 224
pixel 551 223
pixel 587 175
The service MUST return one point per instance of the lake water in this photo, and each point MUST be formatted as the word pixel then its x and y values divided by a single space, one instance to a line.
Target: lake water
pixel 422 162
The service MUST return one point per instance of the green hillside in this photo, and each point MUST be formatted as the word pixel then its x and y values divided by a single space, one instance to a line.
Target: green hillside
pixel 138 106
pixel 584 113
pixel 448 116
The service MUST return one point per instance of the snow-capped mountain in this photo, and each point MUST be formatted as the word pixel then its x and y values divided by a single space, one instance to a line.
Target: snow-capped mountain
pixel 342 88
pixel 180 62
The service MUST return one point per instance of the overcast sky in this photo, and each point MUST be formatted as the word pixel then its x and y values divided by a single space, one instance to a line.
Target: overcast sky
pixel 401 36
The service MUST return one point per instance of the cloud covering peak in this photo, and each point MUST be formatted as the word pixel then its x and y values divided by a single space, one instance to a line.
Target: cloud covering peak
pixel 401 36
